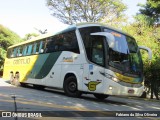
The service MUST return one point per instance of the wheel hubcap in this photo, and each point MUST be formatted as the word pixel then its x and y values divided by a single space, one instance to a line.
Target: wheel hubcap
pixel 72 86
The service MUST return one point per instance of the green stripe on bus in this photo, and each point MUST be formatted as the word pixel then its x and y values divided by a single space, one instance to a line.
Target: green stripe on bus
pixel 44 64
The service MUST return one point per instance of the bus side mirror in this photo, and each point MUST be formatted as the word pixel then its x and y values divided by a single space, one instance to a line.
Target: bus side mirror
pixel 148 50
pixel 110 38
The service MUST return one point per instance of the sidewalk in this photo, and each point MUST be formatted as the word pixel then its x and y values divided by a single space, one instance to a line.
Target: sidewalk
pixel 4 82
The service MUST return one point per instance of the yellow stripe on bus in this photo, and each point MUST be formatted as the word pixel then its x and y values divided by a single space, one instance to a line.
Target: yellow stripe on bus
pixel 23 65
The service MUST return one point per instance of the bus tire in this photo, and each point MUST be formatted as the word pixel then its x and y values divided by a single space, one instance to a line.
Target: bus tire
pixel 70 87
pixel 100 96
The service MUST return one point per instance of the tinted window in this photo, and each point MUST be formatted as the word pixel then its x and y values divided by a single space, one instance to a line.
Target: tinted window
pixel 50 45
pixel 63 42
pixel 97 50
pixel 20 50
pixel 70 42
pixel 93 44
pixel 25 50
pixel 29 51
pixel 41 46
pixel 34 48
pixel 15 52
pixel 10 53
pixel 37 47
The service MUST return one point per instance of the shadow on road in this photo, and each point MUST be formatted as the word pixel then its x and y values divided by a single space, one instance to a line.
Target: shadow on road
pixel 84 96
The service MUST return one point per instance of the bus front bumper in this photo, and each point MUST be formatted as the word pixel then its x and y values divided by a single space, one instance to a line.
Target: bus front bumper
pixel 118 89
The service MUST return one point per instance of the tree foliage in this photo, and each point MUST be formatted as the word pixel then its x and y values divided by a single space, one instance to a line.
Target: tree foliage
pixel 30 36
pixel 151 9
pixel 7 38
pixel 74 11
pixel 8 35
pixel 145 35
pixel 116 22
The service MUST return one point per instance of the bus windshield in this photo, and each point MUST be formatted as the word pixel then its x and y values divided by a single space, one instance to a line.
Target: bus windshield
pixel 125 55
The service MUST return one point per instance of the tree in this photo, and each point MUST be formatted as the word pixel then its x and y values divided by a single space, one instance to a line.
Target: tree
pixel 29 36
pixel 119 22
pixel 151 9
pixel 144 35
pixel 2 56
pixel 7 38
pixel 74 11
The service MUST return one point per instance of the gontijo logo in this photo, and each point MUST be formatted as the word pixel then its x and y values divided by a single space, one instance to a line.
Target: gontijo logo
pixel 92 85
pixel 22 61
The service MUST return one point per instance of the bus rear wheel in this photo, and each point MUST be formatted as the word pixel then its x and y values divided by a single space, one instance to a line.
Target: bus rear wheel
pixel 70 87
pixel 100 96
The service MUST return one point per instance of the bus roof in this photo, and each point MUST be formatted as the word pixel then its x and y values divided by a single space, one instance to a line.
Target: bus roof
pixel 42 36
pixel 33 39
pixel 81 25
pixel 69 28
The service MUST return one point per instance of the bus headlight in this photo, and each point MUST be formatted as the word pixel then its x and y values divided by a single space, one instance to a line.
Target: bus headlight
pixel 115 79
pixel 110 87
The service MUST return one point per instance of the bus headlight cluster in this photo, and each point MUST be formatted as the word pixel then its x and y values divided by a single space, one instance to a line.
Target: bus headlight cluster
pixel 110 76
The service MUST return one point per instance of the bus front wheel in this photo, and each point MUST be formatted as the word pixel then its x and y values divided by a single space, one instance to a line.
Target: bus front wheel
pixel 70 87
pixel 100 96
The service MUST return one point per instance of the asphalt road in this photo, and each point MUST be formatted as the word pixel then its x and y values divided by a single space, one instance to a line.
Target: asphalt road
pixel 54 104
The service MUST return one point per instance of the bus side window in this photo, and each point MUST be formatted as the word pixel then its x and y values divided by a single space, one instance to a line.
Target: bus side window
pixel 58 43
pixel 29 51
pixel 19 51
pixel 70 42
pixel 41 47
pixel 25 50
pixel 9 53
pixel 50 45
pixel 34 48
pixel 37 47
pixel 63 42
pixel 15 51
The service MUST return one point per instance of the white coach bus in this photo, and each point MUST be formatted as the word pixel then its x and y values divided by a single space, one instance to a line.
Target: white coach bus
pixel 84 58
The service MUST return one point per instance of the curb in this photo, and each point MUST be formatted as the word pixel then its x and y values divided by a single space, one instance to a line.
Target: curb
pixel 4 82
